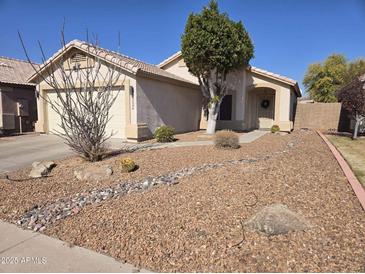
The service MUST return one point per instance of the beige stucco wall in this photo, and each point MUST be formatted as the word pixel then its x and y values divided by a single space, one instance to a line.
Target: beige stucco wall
pixel 124 79
pixel 178 67
pixel 162 103
pixel 241 82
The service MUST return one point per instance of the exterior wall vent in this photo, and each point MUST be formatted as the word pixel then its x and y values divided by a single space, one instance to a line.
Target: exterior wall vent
pixel 78 58
pixel 78 61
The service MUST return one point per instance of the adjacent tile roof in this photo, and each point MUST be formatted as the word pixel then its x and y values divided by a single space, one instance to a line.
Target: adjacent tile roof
pixel 251 68
pixel 130 64
pixel 14 71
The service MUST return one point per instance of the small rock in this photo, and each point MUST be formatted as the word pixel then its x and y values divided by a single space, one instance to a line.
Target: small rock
pixel 49 164
pixel 94 173
pixel 37 227
pixel 38 171
pixel 147 183
pixel 41 169
pixel 277 219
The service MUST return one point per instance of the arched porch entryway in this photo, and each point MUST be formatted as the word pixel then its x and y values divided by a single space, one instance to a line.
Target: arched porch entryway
pixel 261 108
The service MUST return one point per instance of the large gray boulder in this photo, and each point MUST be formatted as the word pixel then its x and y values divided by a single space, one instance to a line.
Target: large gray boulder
pixel 98 173
pixel 277 219
pixel 41 169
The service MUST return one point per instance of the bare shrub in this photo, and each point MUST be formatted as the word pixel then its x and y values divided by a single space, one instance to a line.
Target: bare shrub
pixel 84 97
pixel 226 139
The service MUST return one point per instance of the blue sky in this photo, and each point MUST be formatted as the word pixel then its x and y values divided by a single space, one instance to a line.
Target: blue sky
pixel 288 34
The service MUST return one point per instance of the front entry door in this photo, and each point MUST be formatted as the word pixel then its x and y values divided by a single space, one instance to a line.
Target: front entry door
pixel 265 111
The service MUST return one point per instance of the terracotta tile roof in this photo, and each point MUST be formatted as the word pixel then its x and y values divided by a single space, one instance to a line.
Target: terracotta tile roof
pixel 128 63
pixel 251 68
pixel 14 71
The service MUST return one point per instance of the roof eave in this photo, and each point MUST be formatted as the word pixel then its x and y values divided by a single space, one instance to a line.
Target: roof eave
pixel 66 49
pixel 17 83
pixel 169 59
pixel 166 79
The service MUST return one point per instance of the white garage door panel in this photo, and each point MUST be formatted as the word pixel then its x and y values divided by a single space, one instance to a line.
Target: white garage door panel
pixel 116 124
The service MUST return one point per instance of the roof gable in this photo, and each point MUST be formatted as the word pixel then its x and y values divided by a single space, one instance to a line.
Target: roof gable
pixel 124 62
pixel 259 71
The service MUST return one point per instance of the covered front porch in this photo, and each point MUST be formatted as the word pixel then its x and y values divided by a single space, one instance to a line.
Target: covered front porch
pixel 261 107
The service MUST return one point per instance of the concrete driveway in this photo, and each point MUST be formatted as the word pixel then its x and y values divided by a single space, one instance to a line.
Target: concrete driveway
pixel 20 151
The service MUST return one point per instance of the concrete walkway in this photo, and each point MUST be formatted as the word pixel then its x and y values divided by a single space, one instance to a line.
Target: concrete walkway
pixel 27 251
pixel 244 139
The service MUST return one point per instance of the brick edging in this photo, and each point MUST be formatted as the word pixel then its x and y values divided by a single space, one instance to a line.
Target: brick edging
pixel 354 182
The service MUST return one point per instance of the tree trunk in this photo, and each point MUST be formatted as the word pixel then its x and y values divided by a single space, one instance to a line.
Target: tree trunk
pixel 212 118
pixel 357 124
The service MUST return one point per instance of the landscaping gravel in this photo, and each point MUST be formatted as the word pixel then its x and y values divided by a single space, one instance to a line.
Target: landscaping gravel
pixel 23 194
pixel 196 225
pixel 38 217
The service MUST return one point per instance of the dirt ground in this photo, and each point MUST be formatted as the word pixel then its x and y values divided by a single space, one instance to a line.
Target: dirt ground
pixel 354 153
pixel 195 225
pixel 18 197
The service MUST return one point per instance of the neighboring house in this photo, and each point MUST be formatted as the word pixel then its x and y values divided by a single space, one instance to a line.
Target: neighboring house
pixel 18 107
pixel 257 98
pixel 147 98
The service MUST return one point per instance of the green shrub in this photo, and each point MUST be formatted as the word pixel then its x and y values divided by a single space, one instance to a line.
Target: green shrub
pixel 127 165
pixel 164 134
pixel 275 128
pixel 226 139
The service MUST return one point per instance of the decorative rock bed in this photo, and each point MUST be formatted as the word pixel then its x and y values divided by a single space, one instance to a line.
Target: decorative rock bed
pixel 41 216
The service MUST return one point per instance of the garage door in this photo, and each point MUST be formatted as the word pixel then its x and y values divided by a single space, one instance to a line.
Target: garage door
pixel 116 124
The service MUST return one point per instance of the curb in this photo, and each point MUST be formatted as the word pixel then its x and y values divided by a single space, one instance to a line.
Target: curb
pixel 354 182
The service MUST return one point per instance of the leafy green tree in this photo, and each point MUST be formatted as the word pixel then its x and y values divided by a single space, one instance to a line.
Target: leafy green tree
pixel 212 46
pixel 354 70
pixel 323 81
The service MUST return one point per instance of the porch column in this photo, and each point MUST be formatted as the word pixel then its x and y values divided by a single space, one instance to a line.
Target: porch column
pixel 133 131
pixel 127 104
pixel 277 107
pixel 40 125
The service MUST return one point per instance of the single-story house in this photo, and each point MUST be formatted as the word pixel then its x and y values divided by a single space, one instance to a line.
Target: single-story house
pixel 18 105
pixel 153 95
pixel 257 98
pixel 147 96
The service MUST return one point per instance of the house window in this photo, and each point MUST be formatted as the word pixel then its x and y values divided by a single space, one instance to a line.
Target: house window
pixel 225 111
